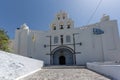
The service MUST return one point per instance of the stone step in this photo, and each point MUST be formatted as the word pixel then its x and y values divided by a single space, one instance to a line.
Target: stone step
pixel 62 67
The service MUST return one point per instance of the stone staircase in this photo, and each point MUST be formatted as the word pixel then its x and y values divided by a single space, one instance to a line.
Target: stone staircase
pixel 62 67
pixel 65 73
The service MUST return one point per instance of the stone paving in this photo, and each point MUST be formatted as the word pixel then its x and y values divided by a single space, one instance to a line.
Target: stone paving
pixel 65 74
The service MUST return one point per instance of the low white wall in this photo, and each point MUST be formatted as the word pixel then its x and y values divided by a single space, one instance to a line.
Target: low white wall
pixel 14 67
pixel 109 69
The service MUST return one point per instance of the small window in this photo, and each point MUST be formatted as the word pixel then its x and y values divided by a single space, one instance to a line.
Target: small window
pixel 61 26
pixel 68 38
pixel 68 26
pixel 55 39
pixel 58 18
pixel 61 39
pixel 54 28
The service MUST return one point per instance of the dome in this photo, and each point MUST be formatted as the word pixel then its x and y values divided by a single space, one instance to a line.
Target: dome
pixel 24 26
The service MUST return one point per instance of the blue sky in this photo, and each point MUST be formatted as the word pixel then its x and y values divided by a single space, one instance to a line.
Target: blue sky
pixel 38 14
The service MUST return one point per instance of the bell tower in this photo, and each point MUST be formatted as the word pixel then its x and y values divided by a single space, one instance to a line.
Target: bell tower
pixel 61 22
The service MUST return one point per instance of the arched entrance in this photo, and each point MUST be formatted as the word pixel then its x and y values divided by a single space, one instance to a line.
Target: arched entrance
pixel 62 56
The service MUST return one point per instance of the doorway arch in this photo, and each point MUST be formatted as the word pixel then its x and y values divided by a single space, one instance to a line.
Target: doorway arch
pixel 62 56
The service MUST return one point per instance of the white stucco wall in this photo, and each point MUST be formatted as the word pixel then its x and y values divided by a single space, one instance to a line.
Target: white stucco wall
pixel 15 66
pixel 104 47
pixel 110 69
pixel 110 40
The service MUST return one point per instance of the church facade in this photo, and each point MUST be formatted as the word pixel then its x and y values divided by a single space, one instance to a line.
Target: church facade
pixel 65 44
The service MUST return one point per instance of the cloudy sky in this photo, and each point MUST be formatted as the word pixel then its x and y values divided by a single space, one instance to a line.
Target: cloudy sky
pixel 38 14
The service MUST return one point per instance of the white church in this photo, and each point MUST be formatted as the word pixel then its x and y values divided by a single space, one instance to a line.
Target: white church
pixel 65 44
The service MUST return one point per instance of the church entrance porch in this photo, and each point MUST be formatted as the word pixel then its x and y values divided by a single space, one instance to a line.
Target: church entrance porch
pixel 62 56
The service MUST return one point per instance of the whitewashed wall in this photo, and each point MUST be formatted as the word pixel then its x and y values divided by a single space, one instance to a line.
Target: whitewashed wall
pixel 109 69
pixel 104 47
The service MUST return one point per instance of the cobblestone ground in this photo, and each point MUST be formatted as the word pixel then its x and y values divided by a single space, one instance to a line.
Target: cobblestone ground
pixel 65 74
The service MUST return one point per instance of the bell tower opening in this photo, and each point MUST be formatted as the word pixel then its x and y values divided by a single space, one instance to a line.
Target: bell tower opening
pixel 62 60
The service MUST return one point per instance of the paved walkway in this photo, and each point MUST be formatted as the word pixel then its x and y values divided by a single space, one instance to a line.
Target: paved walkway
pixel 65 74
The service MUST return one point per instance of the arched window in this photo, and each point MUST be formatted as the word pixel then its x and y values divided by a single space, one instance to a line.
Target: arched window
pixel 61 26
pixel 58 18
pixel 68 26
pixel 54 28
pixel 68 38
pixel 55 39
pixel 64 15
